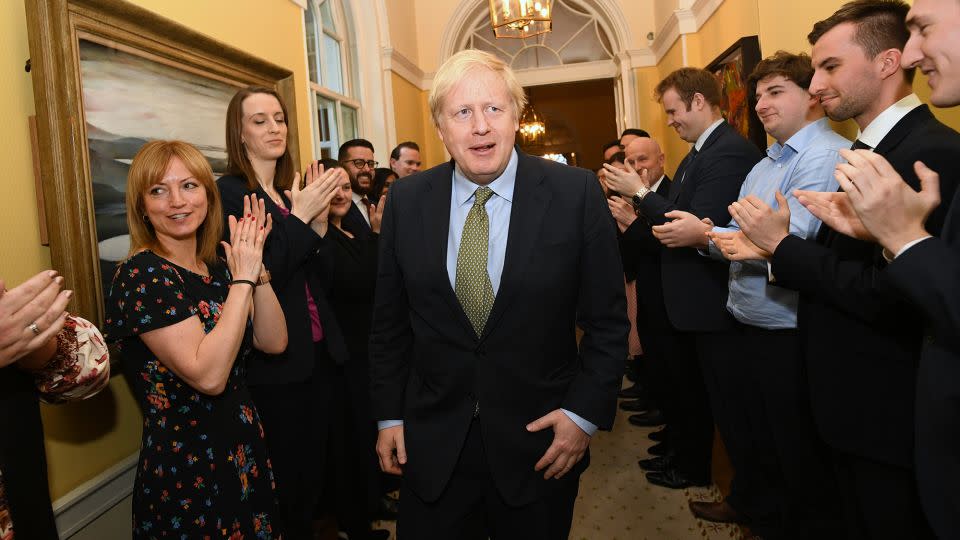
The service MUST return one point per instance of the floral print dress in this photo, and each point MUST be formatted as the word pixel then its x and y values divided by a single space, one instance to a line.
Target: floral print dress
pixel 204 471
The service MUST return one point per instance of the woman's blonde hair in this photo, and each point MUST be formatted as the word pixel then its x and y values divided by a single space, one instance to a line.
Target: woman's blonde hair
pixel 147 169
pixel 468 61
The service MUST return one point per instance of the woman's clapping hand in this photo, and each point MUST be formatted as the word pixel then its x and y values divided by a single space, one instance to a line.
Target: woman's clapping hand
pixel 248 234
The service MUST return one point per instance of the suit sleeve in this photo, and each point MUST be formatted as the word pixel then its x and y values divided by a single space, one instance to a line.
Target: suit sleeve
pixel 852 284
pixel 601 314
pixel 291 244
pixel 718 180
pixel 391 336
pixel 926 274
pixel 636 243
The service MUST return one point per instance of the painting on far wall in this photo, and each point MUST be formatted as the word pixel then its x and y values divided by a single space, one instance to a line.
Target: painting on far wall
pixel 737 100
pixel 181 105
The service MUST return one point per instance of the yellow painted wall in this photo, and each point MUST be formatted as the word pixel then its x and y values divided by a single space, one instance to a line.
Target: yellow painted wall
pixel 83 439
pixel 731 21
pixel 408 113
pixel 402 21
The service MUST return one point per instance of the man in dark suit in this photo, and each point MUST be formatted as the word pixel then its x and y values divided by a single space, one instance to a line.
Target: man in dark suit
pixel 879 205
pixel 862 385
pixel 486 263
pixel 651 317
pixel 356 157
pixel 640 253
pixel 694 288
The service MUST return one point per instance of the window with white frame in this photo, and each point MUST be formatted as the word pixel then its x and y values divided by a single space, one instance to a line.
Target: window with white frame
pixel 332 76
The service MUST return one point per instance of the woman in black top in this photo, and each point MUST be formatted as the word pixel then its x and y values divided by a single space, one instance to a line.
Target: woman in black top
pixel 291 389
pixel 351 295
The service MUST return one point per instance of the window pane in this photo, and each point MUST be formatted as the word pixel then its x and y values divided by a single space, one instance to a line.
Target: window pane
pixel 327 126
pixel 326 14
pixel 349 115
pixel 312 56
pixel 332 70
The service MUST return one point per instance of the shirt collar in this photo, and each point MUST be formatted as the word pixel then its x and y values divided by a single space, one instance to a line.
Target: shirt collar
pixel 801 139
pixel 502 187
pixel 657 183
pixel 884 122
pixel 706 134
pixel 356 197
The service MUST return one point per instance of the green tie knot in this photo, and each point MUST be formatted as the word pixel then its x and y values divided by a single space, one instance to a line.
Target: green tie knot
pixel 482 195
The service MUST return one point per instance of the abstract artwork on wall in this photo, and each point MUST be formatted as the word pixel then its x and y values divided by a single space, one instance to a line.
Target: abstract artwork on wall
pixel 732 68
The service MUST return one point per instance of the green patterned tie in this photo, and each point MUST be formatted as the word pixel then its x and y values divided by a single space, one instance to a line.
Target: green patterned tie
pixel 473 286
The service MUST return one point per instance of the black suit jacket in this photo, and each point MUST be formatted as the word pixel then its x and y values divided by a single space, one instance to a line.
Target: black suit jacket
pixel 429 368
pixel 928 275
pixel 695 287
pixel 640 253
pixel 354 223
pixel 862 340
pixel 295 256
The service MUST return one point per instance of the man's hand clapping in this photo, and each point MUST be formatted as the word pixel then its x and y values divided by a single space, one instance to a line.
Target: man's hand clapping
pixel 763 225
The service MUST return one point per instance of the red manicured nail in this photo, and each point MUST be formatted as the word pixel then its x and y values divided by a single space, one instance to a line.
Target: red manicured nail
pixel 254 218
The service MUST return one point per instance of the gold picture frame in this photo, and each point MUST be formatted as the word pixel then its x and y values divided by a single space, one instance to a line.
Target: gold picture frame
pixel 58 30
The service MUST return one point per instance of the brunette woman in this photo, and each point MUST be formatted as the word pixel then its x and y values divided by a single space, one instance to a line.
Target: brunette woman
pixel 291 389
pixel 185 322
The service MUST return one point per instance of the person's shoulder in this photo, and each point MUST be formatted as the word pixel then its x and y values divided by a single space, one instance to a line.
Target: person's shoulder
pixel 232 182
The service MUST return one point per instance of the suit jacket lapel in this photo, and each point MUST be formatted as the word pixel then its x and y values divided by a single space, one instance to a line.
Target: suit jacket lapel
pixel 530 202
pixel 436 230
pixel 902 129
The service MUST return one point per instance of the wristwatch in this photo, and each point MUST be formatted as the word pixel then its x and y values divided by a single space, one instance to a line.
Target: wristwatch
pixel 264 277
pixel 639 195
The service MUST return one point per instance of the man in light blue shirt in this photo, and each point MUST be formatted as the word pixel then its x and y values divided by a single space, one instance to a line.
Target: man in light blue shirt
pixel 786 449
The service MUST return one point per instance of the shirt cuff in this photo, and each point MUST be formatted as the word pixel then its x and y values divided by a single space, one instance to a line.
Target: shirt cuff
pixel 908 245
pixel 588 427
pixel 384 424
pixel 770 277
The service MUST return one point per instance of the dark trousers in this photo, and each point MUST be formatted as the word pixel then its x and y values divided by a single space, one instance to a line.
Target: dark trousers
pixel 351 488
pixel 296 422
pixel 686 406
pixel 471 508
pixel 880 500
pixel 726 376
pixel 787 452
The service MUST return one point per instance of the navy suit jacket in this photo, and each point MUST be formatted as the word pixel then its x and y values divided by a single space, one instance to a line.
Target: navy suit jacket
pixel 429 368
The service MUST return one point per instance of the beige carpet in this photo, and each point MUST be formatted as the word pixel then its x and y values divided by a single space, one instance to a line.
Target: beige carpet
pixel 617 503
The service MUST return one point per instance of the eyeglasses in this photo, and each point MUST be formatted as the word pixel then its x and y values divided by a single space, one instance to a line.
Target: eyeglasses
pixel 359 163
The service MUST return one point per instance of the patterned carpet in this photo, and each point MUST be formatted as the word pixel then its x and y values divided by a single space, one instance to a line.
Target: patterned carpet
pixel 617 503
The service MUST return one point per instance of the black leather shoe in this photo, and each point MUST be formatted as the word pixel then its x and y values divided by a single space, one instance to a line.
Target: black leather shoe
pixel 656 464
pixel 635 405
pixel 659 449
pixel 631 392
pixel 674 479
pixel 717 512
pixel 650 418
pixel 658 436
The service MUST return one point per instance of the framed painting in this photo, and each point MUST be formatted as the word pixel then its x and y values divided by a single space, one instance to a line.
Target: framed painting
pixel 109 76
pixel 737 99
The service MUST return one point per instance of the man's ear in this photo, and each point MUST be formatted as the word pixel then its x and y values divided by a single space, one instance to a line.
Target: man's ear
pixel 889 62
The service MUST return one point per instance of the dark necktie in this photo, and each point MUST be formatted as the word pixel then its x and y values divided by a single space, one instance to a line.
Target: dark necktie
pixel 860 145
pixel 681 173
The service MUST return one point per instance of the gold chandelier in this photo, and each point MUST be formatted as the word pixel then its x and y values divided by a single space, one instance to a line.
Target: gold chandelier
pixel 520 18
pixel 532 127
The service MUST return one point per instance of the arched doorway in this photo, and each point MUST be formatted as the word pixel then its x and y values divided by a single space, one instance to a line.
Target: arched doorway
pixel 589 41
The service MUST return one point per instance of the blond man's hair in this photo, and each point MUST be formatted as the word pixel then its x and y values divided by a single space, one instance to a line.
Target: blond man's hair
pixel 462 64
pixel 147 169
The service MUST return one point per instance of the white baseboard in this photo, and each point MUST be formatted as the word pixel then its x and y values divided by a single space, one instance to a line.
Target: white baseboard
pixel 90 500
